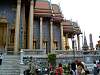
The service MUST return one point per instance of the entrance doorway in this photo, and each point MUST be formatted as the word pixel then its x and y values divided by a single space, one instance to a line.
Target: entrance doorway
pixel 3 36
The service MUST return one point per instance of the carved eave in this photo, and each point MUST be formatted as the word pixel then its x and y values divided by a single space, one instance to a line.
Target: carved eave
pixel 42 12
pixel 77 30
pixel 67 27
pixel 56 13
pixel 57 17
pixel 42 8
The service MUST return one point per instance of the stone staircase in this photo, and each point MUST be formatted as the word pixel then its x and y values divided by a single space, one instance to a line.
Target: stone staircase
pixel 10 65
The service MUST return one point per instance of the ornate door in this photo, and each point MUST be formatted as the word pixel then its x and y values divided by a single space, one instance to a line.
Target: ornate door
pixel 3 35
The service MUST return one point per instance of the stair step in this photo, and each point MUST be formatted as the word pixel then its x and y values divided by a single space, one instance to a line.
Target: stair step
pixel 9 74
pixel 10 65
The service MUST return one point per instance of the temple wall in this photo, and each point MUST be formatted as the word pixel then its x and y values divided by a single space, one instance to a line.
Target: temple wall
pixel 46 32
pixel 36 31
pixel 9 11
pixel 56 35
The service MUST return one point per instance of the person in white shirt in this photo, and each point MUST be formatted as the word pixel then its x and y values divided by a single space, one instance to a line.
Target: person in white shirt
pixel 95 68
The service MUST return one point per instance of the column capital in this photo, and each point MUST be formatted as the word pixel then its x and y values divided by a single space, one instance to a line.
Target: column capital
pixel 18 1
pixel 51 20
pixel 31 2
pixel 61 24
pixel 41 18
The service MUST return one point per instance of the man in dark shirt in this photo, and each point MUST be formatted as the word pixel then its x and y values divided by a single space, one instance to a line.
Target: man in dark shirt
pixel 73 68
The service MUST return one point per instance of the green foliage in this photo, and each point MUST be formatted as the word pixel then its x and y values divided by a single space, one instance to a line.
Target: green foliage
pixel 52 59
pixel 65 68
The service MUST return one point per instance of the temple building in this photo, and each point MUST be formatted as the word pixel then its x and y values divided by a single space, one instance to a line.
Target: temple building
pixel 85 45
pixel 98 45
pixel 91 42
pixel 34 24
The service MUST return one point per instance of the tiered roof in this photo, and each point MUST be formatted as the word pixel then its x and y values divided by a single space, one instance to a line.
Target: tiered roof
pixel 71 28
pixel 68 27
pixel 42 8
pixel 76 28
pixel 56 13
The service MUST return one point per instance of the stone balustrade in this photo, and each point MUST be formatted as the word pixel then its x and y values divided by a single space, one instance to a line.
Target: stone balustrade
pixel 40 55
pixel 34 51
pixel 77 53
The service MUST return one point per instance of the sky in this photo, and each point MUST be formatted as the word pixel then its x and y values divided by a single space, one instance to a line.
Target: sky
pixel 85 12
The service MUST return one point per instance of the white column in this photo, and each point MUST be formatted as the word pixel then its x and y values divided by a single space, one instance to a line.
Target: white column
pixel 21 56
pixel 51 36
pixel 62 41
pixel 17 27
pixel 31 18
pixel 41 23
pixel 78 41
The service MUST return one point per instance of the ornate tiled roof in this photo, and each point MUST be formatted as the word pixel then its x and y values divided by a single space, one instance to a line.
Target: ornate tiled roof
pixel 67 26
pixel 76 28
pixel 56 13
pixel 42 8
pixel 71 28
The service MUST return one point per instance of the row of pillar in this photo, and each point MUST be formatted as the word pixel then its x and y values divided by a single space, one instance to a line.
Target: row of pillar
pixel 17 26
pixel 78 41
pixel 31 22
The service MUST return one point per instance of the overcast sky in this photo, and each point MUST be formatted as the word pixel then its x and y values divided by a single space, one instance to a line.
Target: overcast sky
pixel 85 12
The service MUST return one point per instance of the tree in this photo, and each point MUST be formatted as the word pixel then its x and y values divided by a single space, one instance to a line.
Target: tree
pixel 52 60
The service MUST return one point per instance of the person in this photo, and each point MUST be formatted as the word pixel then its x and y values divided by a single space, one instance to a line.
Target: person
pixel 82 64
pixel 1 57
pixel 73 68
pixel 79 71
pixel 98 66
pixel 56 71
pixel 50 69
pixel 26 72
pixel 60 69
pixel 68 69
pixel 95 68
pixel 31 67
pixel 85 68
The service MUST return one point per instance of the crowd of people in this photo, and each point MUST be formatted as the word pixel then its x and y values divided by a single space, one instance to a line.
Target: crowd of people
pixel 96 67
pixel 76 67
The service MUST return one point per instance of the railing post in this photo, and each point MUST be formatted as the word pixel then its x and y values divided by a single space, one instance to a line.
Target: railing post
pixel 21 56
